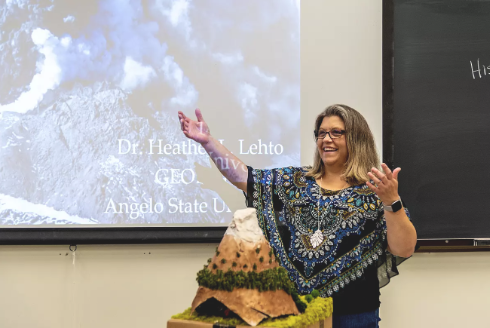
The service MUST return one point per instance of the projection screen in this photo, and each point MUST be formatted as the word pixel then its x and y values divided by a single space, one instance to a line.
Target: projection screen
pixel 89 95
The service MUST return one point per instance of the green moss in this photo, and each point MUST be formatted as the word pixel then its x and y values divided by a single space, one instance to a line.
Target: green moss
pixel 270 261
pixel 245 266
pixel 186 315
pixel 271 279
pixel 254 267
pixel 210 260
pixel 234 264
pixel 223 261
pixel 238 254
pixel 315 293
pixel 214 266
pixel 261 259
pixel 319 309
pixel 270 252
pixel 309 298
pixel 300 304
pixel 257 250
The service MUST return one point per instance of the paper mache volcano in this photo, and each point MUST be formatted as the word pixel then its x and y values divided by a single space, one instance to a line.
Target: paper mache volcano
pixel 244 275
pixel 244 280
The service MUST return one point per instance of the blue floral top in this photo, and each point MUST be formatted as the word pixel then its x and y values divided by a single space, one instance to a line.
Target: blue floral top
pixel 351 251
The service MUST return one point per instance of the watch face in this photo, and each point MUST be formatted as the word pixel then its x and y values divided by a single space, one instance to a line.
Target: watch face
pixel 396 206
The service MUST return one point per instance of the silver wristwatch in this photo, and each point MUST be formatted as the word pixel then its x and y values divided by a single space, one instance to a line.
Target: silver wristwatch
pixel 395 206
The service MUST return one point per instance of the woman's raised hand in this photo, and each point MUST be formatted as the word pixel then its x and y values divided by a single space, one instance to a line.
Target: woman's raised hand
pixel 197 131
pixel 386 184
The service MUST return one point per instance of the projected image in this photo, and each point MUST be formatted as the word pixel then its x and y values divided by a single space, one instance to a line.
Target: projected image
pixel 89 95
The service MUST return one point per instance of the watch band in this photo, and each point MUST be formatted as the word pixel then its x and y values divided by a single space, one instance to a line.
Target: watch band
pixel 395 206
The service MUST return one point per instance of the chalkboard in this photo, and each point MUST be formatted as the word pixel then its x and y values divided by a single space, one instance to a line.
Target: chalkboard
pixel 438 113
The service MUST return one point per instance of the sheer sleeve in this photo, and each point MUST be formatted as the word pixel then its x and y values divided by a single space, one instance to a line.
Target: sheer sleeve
pixel 262 195
pixel 387 262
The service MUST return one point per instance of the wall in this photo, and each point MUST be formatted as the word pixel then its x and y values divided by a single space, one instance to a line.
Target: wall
pixel 125 286
pixel 340 63
pixel 107 286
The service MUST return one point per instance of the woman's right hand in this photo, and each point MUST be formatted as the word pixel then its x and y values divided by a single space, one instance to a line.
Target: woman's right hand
pixel 236 172
pixel 197 131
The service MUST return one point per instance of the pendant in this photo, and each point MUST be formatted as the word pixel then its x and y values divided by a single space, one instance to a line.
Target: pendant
pixel 316 239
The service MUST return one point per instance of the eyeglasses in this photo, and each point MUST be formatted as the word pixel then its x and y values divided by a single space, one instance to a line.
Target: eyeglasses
pixel 334 134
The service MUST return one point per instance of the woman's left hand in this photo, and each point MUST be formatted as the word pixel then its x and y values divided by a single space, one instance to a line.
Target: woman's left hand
pixel 386 184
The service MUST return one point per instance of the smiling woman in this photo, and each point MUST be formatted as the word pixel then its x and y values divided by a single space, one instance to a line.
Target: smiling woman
pixel 356 151
pixel 331 228
pixel 337 233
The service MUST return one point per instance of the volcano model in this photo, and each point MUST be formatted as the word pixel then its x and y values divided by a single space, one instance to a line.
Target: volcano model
pixel 244 276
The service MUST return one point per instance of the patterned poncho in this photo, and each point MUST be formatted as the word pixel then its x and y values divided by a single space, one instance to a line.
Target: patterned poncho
pixel 291 207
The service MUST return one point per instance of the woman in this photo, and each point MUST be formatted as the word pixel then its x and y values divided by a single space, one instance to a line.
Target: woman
pixel 339 226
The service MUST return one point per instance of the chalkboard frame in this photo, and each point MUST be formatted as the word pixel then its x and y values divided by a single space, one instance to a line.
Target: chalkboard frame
pixel 388 110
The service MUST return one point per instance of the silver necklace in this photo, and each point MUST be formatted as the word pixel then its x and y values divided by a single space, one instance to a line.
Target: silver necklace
pixel 317 238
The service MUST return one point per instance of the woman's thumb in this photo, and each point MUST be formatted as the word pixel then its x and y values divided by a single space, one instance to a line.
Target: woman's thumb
pixel 395 173
pixel 199 115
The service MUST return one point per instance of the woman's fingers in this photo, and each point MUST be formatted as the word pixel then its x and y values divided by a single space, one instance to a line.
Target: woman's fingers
pixel 195 130
pixel 181 120
pixel 199 115
pixel 372 187
pixel 181 114
pixel 380 175
pixel 387 170
pixel 374 178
